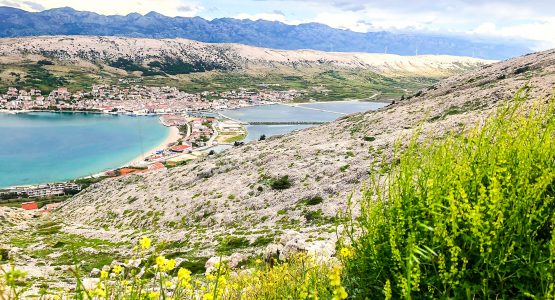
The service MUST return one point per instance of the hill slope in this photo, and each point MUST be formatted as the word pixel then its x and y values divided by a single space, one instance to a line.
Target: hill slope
pixel 201 205
pixel 66 21
pixel 80 61
pixel 109 50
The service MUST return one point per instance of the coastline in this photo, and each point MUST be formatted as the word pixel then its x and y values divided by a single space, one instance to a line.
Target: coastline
pixel 173 136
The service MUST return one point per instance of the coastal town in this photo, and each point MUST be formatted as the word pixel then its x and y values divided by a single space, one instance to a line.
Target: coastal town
pixel 138 99
pixel 195 130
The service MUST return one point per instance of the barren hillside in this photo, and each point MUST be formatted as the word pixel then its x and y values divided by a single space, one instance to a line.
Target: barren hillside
pixel 107 50
pixel 200 205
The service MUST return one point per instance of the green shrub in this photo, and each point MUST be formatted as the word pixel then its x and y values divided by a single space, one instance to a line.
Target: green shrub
pixel 281 183
pixel 469 216
pixel 315 200
pixel 230 243
pixel 262 241
pixel 369 138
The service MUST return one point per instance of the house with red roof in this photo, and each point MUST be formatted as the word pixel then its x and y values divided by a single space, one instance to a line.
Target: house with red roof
pixel 180 148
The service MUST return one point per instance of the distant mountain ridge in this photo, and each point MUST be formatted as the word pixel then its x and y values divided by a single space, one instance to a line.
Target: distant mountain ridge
pixel 67 21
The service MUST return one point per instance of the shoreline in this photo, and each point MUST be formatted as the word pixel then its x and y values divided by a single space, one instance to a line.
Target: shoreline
pixel 173 136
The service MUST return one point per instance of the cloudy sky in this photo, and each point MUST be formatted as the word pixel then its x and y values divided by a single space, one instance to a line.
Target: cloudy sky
pixel 496 19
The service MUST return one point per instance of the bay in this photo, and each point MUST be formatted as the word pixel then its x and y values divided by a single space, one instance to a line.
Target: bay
pixel 42 147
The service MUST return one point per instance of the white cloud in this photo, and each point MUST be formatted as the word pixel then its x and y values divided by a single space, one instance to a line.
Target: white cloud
pixel 541 31
pixel 525 21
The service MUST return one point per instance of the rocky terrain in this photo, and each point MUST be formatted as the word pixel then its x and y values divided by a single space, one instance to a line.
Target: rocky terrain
pixel 271 197
pixel 239 194
pixel 156 54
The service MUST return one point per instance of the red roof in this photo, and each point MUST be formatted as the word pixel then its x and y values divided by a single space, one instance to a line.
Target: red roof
pixel 30 205
pixel 156 166
pixel 179 148
pixel 125 171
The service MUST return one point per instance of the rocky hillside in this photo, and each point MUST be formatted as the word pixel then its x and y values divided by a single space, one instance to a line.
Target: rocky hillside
pixel 286 192
pixel 180 56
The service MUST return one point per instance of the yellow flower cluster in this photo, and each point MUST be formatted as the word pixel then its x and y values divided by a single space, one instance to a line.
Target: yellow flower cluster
pixel 339 292
pixel 165 265
pixel 145 242
pixel 301 277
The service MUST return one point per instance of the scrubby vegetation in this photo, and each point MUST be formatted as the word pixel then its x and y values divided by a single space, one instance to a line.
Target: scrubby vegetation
pixel 280 183
pixel 467 216
pixel 470 216
pixel 157 277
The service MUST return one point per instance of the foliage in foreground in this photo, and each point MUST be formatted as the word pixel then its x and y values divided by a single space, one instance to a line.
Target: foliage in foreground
pixel 302 277
pixel 466 217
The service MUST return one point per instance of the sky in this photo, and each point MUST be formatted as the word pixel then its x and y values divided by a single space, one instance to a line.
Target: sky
pixel 496 19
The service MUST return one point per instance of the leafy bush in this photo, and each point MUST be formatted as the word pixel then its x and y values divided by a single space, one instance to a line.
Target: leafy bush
pixel 470 216
pixel 315 200
pixel 369 138
pixel 280 183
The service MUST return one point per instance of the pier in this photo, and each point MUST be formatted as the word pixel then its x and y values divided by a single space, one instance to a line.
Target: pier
pixel 289 123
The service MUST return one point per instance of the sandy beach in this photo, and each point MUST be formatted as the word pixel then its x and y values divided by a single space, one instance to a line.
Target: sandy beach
pixel 173 137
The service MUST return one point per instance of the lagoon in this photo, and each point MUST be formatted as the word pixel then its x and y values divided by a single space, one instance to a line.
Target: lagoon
pixel 279 113
pixel 42 147
pixel 306 112
pixel 347 107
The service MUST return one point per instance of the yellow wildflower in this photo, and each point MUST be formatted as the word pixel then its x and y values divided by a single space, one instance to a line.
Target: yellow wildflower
pixel 183 275
pixel 170 264
pixel 345 252
pixel 339 293
pixel 145 243
pixel 100 292
pixel 335 276
pixel 164 264
pixel 117 269
pixel 153 295
pixel 103 275
pixel 208 296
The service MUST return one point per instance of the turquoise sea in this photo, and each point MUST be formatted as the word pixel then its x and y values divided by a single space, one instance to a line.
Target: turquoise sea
pixel 43 147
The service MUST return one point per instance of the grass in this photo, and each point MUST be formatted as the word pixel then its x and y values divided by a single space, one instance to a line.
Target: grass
pixel 232 243
pixel 16 202
pixel 470 216
pixel 233 137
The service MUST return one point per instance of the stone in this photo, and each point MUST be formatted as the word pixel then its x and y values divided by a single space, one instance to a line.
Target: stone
pixel 211 263
pixel 94 272
pixel 272 252
pixel 237 259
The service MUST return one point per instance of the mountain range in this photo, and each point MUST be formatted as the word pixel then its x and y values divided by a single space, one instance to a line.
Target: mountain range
pixel 270 34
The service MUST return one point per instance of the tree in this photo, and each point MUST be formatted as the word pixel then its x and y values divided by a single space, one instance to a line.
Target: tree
pixel 262 137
